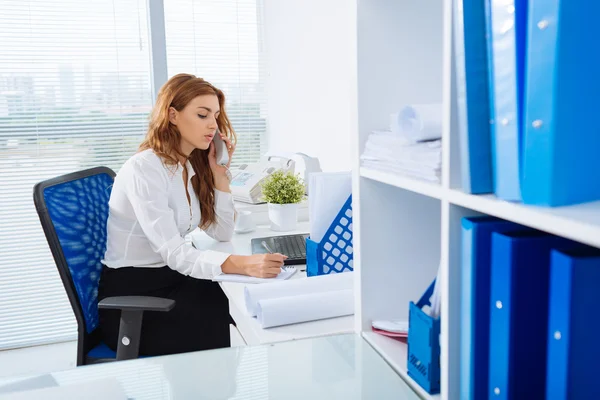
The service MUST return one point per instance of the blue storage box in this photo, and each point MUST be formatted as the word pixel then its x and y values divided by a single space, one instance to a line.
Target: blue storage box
pixel 423 361
pixel 334 253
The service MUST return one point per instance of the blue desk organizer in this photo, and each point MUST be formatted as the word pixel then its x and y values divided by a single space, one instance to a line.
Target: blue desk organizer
pixel 334 253
pixel 424 345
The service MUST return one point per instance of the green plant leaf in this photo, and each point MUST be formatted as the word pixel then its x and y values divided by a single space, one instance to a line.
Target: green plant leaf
pixel 283 188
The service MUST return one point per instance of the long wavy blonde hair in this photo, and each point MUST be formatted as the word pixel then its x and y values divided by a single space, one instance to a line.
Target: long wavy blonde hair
pixel 164 138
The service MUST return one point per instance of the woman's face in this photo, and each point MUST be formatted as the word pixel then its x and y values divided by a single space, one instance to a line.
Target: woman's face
pixel 197 122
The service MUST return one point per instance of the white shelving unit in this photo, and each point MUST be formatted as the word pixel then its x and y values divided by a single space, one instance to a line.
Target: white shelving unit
pixel 397 220
pixel 404 228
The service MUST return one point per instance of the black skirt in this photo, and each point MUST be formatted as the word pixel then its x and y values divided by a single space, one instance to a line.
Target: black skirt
pixel 199 321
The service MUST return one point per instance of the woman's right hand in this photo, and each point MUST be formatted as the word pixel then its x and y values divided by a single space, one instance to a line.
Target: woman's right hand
pixel 257 265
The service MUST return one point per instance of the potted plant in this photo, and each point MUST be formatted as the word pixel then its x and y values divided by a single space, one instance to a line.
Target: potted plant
pixel 283 191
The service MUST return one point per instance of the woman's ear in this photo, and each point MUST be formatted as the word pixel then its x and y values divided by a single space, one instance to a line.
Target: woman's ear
pixel 173 116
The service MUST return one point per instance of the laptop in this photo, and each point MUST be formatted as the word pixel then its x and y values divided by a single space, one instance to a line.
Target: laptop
pixel 293 246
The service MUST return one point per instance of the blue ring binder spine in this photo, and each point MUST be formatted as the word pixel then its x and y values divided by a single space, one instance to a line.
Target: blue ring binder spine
pixel 334 253
pixel 423 361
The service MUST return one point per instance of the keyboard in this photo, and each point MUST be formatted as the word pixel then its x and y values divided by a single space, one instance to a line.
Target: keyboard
pixel 293 246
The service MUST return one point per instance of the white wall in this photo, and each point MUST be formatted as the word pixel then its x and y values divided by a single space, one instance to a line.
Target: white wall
pixel 311 67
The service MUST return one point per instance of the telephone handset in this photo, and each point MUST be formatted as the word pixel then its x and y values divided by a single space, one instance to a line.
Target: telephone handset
pixel 221 152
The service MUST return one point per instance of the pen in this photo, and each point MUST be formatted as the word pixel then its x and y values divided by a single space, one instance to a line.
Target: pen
pixel 266 246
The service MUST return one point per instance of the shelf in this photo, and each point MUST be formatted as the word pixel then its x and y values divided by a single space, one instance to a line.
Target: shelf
pixel 394 352
pixel 406 222
pixel 414 185
pixel 579 222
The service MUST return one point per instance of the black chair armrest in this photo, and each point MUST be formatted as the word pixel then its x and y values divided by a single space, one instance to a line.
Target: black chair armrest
pixel 132 310
pixel 136 303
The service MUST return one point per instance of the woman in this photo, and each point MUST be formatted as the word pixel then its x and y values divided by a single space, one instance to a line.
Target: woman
pixel 166 190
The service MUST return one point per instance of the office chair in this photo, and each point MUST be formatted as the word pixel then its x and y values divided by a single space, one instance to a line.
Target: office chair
pixel 73 210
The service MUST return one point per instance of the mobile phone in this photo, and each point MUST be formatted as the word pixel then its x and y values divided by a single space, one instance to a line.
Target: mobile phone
pixel 220 149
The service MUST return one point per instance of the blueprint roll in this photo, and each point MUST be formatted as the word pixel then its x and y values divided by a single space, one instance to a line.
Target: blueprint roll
pixel 418 122
pixel 295 288
pixel 305 307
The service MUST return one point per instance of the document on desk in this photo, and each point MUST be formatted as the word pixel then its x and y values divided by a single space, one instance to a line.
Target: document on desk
pixel 301 300
pixel 328 193
pixel 286 273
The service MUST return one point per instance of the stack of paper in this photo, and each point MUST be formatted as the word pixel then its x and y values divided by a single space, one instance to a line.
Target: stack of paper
pixel 391 152
pixel 301 300
pixel 328 193
pixel 412 144
pixel 286 273
pixel 436 297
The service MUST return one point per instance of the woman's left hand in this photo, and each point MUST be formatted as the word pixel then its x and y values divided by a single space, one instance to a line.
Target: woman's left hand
pixel 220 171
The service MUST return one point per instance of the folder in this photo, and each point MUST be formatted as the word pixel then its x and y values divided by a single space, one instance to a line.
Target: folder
pixel 475 302
pixel 328 193
pixel 519 313
pixel 508 41
pixel 423 351
pixel 574 325
pixel 560 163
pixel 473 81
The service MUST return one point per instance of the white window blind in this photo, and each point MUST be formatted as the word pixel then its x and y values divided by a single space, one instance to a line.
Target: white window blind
pixel 74 93
pixel 222 42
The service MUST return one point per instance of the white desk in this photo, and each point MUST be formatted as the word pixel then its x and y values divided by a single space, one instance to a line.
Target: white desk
pixel 333 367
pixel 248 327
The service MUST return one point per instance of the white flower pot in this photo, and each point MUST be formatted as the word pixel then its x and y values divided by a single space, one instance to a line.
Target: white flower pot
pixel 283 217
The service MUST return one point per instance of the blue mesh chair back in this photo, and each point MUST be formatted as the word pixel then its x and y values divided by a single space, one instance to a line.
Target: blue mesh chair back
pixel 73 210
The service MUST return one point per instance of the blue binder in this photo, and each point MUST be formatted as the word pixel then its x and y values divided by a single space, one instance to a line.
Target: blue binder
pixel 509 27
pixel 475 302
pixel 519 313
pixel 574 325
pixel 560 163
pixel 472 81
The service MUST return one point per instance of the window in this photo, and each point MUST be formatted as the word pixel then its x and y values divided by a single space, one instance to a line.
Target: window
pixel 221 41
pixel 75 92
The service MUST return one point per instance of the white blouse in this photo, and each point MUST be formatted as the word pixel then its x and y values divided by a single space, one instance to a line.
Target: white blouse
pixel 149 216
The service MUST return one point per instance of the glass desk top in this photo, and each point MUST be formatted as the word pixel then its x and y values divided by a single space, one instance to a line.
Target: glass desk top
pixel 331 367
